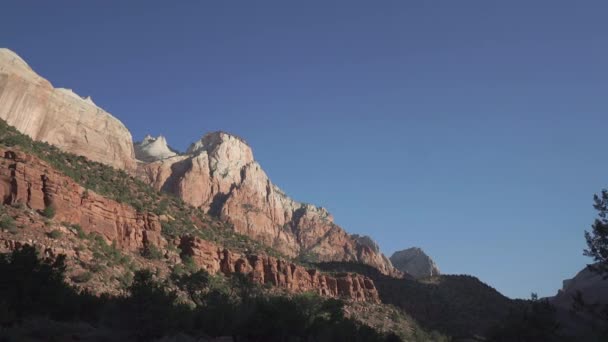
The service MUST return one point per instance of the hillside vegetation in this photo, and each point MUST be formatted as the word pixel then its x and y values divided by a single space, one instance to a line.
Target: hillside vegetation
pixel 456 305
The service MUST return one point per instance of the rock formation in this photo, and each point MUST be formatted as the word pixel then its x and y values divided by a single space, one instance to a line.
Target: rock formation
pixel 152 149
pixel 219 174
pixel 263 269
pixel 28 181
pixel 60 117
pixel 31 182
pixel 590 284
pixel 415 262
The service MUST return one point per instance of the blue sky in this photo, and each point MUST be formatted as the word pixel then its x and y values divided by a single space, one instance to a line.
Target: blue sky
pixel 473 129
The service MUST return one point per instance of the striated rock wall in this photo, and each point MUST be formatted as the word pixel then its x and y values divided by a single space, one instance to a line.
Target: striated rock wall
pixel 263 269
pixel 30 181
pixel 60 117
pixel 220 175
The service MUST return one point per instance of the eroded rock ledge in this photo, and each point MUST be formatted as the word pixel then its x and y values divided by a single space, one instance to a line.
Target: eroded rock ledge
pixel 264 269
pixel 32 182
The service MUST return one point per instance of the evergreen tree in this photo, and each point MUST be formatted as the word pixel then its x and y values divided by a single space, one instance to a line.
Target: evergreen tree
pixel 597 239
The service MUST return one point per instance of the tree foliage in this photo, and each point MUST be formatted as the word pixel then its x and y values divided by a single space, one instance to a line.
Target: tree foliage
pixel 151 307
pixel 597 239
pixel 535 321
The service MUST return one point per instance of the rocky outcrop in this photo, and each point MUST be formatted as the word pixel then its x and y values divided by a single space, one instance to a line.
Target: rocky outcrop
pixel 60 117
pixel 31 182
pixel 592 286
pixel 263 269
pixel 219 175
pixel 152 149
pixel 415 262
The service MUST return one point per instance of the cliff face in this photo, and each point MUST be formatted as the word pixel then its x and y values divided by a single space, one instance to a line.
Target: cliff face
pixel 220 175
pixel 415 262
pixel 30 182
pixel 263 269
pixel 27 180
pixel 60 117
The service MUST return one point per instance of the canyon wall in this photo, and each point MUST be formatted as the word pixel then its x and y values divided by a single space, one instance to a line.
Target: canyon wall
pixel 29 181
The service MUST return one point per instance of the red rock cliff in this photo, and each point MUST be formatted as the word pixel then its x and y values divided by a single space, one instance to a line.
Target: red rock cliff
pixel 263 269
pixel 34 183
pixel 220 175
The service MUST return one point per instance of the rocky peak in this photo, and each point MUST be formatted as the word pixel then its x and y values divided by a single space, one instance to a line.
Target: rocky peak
pixel 220 175
pixel 60 117
pixel 367 241
pixel 152 149
pixel 415 262
pixel 213 140
pixel 227 154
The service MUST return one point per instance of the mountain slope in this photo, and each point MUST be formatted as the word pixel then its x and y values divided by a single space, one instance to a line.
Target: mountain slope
pixel 44 187
pixel 219 174
pixel 460 306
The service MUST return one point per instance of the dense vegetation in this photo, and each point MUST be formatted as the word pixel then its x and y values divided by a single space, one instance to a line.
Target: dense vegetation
pixel 459 306
pixel 151 308
pixel 120 186
pixel 597 239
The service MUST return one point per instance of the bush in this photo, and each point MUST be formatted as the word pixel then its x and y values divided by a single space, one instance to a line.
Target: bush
pixel 55 234
pixel 49 211
pixel 78 230
pixel 7 222
pixel 109 253
pixel 151 252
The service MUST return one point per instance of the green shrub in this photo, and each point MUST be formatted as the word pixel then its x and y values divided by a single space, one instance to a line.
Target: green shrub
pixel 49 211
pixel 55 234
pixel 125 279
pixel 108 253
pixel 78 230
pixel 7 222
pixel 151 252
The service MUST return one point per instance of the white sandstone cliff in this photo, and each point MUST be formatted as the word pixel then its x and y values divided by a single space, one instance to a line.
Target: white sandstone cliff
pixel 60 117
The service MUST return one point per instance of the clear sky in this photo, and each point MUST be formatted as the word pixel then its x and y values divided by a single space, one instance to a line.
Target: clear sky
pixel 473 129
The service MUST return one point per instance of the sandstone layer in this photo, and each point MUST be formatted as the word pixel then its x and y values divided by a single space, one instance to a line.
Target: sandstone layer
pixel 415 262
pixel 60 117
pixel 220 175
pixel 263 269
pixel 28 181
